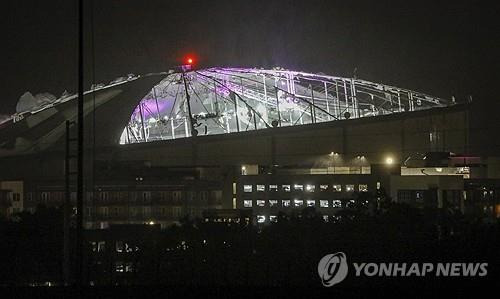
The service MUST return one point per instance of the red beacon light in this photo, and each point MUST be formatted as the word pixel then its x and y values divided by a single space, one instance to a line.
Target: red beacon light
pixel 188 63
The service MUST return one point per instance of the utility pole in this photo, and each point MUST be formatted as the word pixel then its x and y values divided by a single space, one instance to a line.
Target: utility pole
pixel 68 278
pixel 79 185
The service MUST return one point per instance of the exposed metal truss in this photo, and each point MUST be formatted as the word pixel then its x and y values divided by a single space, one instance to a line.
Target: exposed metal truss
pixel 227 100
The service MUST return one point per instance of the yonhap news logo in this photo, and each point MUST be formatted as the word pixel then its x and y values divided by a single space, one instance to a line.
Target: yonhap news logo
pixel 333 269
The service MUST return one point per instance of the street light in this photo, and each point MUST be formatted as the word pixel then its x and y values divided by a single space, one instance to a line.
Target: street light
pixel 333 161
pixel 389 160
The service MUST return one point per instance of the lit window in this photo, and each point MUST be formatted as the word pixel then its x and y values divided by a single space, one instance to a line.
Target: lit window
pixel 247 188
pixel 378 185
pixel 128 267
pixel 101 246
pixel 298 202
pixel 325 218
pixel 323 203
pixel 286 203
pixel 120 246
pixel 261 203
pixel 363 188
pixel 94 246
pixel 119 267
pixel 311 203
pixel 123 267
pixel 286 188
pixel 337 188
pixel 273 203
pixel 349 188
pixel 273 218
pixel 298 187
pixel 310 188
pixel 247 203
pixel 350 204
pixel 273 188
pixel 336 203
pixel 419 196
pixel 323 187
pixel 261 188
pixel 261 218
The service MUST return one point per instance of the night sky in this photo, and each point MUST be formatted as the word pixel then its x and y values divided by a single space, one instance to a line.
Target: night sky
pixel 447 48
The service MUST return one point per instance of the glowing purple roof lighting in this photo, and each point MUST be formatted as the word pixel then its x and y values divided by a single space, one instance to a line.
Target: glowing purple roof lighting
pixel 230 100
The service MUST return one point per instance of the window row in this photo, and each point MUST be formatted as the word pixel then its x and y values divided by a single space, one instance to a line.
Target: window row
pixel 274 218
pixel 247 188
pixel 174 211
pixel 124 195
pixel 122 267
pixel 286 203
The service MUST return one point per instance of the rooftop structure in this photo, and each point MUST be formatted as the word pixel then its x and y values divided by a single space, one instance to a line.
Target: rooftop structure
pixel 227 100
pixel 154 107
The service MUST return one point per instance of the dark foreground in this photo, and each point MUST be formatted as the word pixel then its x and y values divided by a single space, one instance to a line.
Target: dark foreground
pixel 283 254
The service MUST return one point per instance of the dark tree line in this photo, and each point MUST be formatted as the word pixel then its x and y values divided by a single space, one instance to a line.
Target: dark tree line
pixel 280 254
